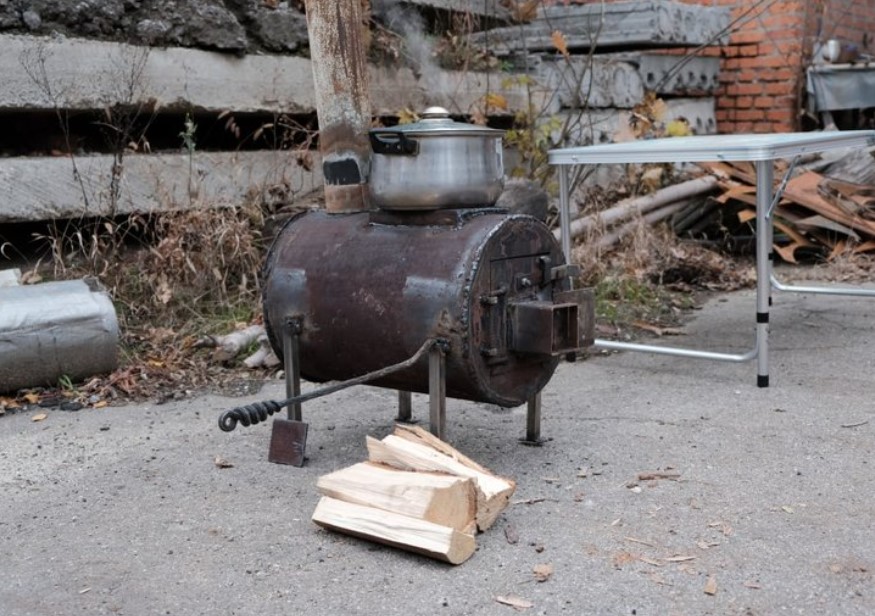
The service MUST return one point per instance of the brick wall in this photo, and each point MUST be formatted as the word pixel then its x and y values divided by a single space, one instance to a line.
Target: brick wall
pixel 762 71
pixel 763 66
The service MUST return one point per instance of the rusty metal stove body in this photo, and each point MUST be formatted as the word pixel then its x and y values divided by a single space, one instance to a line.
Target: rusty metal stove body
pixel 348 294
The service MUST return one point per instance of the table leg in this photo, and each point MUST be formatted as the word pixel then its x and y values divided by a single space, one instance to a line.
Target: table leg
pixel 765 180
pixel 565 212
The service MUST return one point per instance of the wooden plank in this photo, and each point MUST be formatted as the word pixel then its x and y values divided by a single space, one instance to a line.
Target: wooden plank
pixel 400 531
pixel 442 499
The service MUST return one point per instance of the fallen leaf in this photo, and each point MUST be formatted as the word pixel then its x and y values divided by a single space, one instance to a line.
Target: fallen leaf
pixel 31 398
pixel 678 128
pixel 542 572
pixel 559 42
pixel 622 558
pixel 496 101
pixel 707 545
pixel 711 586
pixel 753 585
pixel 39 417
pixel 517 603
pixel 511 535
pixel 787 509
pixel 222 462
pixel 8 403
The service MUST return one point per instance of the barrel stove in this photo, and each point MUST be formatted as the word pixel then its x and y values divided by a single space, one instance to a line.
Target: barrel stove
pixel 370 288
pixel 434 290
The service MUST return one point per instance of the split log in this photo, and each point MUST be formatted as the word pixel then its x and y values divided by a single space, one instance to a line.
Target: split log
pixel 231 345
pixel 493 492
pixel 640 205
pixel 263 355
pixel 438 498
pixel 424 437
pixel 400 531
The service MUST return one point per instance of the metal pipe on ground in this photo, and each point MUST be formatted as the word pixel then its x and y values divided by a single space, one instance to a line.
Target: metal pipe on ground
pixel 641 205
pixel 53 330
pixel 341 84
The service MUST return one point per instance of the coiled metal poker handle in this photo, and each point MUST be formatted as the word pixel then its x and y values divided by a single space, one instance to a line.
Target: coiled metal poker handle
pixel 257 412
pixel 248 415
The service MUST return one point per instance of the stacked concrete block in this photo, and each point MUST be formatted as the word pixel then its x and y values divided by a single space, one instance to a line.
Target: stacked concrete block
pixel 638 23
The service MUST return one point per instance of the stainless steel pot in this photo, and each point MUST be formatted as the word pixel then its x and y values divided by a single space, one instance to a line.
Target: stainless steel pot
pixel 435 163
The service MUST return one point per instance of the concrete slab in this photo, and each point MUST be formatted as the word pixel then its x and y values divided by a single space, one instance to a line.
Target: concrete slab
pixel 79 74
pixel 631 24
pixel 123 511
pixel 44 188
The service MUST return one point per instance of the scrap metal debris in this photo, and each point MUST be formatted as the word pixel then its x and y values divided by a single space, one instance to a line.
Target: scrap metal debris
pixel 817 215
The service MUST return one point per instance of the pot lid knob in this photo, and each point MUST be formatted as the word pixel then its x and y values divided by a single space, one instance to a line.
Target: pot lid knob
pixel 435 113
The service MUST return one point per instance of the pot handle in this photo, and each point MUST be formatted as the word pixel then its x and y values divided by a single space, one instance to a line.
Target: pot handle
pixel 402 146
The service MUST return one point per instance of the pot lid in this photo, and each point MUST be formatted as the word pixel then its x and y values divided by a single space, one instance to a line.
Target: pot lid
pixel 436 122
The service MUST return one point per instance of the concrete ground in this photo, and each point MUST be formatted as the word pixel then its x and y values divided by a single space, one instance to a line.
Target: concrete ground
pixel 123 510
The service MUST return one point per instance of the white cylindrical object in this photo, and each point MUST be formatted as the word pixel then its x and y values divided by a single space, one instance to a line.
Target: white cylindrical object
pixel 54 329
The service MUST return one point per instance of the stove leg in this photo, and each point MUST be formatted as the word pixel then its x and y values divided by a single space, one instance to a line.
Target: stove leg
pixel 533 421
pixel 291 357
pixel 437 392
pixel 405 407
pixel 288 437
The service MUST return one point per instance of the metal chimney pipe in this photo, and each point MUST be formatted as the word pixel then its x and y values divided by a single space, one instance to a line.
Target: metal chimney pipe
pixel 340 75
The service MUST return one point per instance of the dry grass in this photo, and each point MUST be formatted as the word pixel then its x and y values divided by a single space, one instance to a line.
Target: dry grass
pixel 652 279
pixel 173 277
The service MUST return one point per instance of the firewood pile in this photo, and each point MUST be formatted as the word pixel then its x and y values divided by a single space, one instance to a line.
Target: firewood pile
pixel 416 493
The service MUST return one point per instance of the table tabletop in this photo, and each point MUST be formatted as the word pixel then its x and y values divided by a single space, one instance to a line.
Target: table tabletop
pixel 703 148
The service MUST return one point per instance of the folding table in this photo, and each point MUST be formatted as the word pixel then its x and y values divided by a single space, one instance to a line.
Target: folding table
pixel 760 149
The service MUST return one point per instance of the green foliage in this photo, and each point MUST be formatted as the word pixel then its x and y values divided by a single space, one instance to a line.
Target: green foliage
pixel 188 134
pixel 626 299
pixel 65 383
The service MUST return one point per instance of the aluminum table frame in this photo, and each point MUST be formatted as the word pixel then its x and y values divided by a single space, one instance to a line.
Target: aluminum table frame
pixel 762 150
